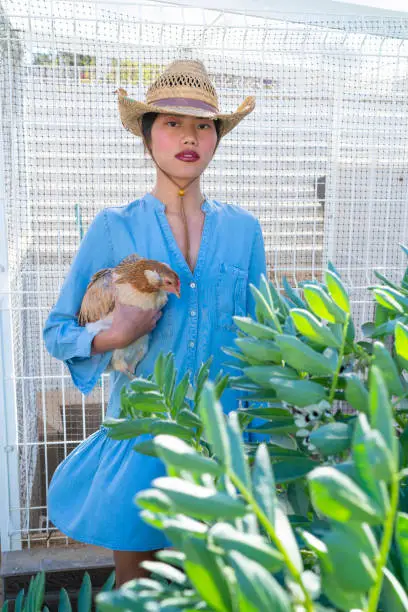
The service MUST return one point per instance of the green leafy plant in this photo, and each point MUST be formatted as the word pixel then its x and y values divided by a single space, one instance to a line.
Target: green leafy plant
pixel 314 518
pixel 33 601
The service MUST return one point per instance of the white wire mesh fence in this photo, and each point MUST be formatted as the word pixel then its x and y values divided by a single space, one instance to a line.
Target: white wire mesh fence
pixel 322 162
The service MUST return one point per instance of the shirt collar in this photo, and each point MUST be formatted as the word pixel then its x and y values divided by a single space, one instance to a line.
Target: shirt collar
pixel 207 206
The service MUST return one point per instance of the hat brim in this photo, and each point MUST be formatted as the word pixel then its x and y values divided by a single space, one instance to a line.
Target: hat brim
pixel 131 112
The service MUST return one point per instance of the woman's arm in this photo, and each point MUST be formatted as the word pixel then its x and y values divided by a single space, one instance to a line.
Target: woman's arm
pixel 64 338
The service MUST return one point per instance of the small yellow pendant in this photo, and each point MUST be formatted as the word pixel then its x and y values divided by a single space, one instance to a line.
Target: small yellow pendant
pixel 181 192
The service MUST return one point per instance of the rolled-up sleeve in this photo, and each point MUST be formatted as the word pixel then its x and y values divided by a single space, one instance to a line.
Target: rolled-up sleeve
pixel 64 338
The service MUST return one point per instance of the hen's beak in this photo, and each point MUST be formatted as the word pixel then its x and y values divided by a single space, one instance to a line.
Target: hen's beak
pixel 175 290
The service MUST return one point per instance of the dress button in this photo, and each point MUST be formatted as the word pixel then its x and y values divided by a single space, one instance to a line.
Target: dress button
pixel 193 313
pixel 191 344
pixel 193 285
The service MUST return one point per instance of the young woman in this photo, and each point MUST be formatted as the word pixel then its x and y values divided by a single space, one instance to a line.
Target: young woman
pixel 217 251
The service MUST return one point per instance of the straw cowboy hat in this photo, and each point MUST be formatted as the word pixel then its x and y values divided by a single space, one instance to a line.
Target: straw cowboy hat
pixel 184 88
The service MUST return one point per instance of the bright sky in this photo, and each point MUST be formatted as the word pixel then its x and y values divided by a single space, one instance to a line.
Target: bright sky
pixel 391 5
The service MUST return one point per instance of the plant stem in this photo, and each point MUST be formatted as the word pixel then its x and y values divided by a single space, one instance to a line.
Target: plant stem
pixel 263 519
pixel 375 591
pixel 339 361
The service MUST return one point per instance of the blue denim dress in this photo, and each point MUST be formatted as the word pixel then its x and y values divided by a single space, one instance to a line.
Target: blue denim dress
pixel 91 493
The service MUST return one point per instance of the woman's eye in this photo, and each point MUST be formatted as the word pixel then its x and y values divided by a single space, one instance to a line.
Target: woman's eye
pixel 171 123
pixel 203 126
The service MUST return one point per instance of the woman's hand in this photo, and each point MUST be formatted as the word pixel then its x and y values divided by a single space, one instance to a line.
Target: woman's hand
pixel 129 324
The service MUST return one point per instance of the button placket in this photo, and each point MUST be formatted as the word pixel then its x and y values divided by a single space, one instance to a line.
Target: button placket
pixel 193 312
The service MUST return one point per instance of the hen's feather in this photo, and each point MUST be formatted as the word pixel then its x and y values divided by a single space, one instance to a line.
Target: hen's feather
pixel 99 298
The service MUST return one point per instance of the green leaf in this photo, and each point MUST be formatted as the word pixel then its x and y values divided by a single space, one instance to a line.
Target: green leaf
pixel 385 362
pixel 201 378
pixel 121 599
pixel 336 496
pixel 144 402
pixel 372 461
pixel 213 419
pixel 394 597
pixel 279 427
pixel 293 469
pixel 270 412
pixel 264 483
pixel 309 326
pixel 263 306
pixel 85 594
pixel 262 350
pixel 285 534
pixel 163 570
pixel 343 600
pixel 19 603
pixel 331 439
pixel 299 498
pixel 356 393
pixel 159 370
pixel 220 384
pixel 386 329
pixel 303 358
pixel 38 591
pixel 181 525
pixel 109 583
pixel 298 392
pixel 258 591
pixel 64 604
pixel 239 464
pixel 355 572
pixel 140 385
pixel 385 280
pixel 171 428
pixel 199 502
pixel 153 500
pixel 174 557
pixel 401 536
pixel 146 447
pixel 188 418
pixel 401 344
pixel 126 429
pixel 322 305
pixel 337 290
pixel 386 300
pixel 292 295
pixel 169 378
pixel 398 295
pixel 403 439
pixel 180 394
pixel 381 413
pixel 255 329
pixel 261 375
pixel 205 571
pixel 252 546
pixel 177 453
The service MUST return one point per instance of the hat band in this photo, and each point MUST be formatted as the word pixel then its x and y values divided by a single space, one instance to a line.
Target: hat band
pixel 185 102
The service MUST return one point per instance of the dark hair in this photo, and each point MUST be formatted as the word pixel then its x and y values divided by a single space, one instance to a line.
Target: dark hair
pixel 149 118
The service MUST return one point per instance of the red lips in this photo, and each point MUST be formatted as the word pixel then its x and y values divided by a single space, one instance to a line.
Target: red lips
pixel 188 156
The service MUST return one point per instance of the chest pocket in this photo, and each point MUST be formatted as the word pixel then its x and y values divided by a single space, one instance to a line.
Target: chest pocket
pixel 231 295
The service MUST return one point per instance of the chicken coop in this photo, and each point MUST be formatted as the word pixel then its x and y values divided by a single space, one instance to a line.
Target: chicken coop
pixel 322 162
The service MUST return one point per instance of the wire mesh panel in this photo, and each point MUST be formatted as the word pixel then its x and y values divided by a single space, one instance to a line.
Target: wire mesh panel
pixel 321 162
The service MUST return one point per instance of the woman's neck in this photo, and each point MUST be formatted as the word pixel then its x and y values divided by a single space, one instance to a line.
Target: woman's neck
pixel 167 192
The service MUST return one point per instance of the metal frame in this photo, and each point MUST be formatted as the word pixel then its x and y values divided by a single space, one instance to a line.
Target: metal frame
pixel 9 468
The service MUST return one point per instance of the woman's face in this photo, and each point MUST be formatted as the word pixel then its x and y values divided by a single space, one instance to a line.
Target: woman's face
pixel 182 145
